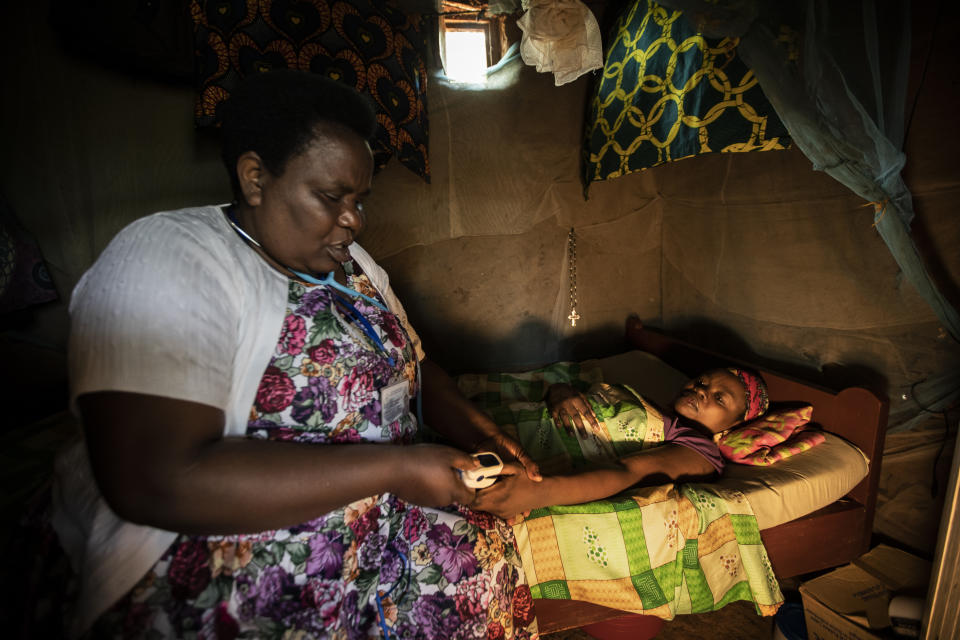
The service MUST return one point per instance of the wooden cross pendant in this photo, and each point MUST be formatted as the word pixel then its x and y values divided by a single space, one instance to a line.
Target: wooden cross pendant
pixel 573 317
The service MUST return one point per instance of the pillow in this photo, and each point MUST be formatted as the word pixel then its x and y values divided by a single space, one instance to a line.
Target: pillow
pixel 777 435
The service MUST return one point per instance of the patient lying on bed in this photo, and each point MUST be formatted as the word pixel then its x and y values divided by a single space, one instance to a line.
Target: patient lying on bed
pixel 678 445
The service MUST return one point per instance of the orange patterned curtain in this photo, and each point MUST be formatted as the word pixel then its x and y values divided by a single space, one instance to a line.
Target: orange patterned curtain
pixel 365 44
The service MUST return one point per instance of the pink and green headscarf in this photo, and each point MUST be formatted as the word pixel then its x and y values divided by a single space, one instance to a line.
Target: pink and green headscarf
pixel 756 393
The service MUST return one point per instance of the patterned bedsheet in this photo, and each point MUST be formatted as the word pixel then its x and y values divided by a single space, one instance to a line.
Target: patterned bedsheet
pixel 659 550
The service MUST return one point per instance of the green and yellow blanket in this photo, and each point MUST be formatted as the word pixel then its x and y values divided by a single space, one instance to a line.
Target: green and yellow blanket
pixel 658 550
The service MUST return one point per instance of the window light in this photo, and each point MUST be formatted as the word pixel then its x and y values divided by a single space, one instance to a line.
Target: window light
pixel 471 40
pixel 466 56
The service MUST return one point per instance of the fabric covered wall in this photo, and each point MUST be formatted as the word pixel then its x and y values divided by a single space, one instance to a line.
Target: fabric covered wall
pixel 480 255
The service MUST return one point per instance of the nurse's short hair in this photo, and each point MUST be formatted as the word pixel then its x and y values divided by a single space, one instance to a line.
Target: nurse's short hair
pixel 277 113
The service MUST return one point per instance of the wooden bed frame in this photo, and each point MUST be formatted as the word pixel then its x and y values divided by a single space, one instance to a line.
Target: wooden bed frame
pixel 796 547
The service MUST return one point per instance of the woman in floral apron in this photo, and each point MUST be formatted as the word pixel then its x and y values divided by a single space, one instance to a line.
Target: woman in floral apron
pixel 303 515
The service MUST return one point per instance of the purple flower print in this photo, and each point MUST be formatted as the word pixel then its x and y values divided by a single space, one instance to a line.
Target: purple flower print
pixel 371 412
pixel 471 629
pixel 293 335
pixel 479 519
pixel 246 595
pixel 506 579
pixel 274 588
pixel 356 389
pixel 315 300
pixel 345 436
pixel 414 523
pixel 305 620
pixel 369 311
pixel 358 618
pixel 375 364
pixel 366 523
pixel 277 433
pixel 391 327
pixel 394 506
pixel 392 566
pixel 261 423
pixel 370 551
pixel 473 597
pixel 310 525
pixel 406 630
pixel 323 599
pixel 189 571
pixel 276 390
pixel 318 396
pixel 455 556
pixel 435 616
pixel 326 556
pixel 270 585
pixel 323 353
pixel 402 432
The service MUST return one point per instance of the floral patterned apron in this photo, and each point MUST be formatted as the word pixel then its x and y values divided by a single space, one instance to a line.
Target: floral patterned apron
pixel 376 568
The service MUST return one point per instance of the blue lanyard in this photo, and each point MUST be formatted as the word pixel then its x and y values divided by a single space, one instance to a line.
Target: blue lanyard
pixel 326 280
pixel 346 307
pixel 330 282
pixel 403 578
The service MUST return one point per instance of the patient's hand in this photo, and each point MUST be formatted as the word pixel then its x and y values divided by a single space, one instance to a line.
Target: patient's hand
pixel 570 410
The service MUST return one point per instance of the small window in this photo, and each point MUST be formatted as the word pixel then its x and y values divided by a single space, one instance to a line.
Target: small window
pixel 466 56
pixel 470 40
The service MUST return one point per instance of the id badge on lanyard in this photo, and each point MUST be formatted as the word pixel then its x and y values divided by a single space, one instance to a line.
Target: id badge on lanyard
pixel 394 401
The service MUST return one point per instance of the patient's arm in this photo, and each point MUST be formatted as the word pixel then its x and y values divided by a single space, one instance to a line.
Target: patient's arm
pixel 514 493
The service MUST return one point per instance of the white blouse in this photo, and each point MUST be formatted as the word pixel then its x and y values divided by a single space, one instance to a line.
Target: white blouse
pixel 177 305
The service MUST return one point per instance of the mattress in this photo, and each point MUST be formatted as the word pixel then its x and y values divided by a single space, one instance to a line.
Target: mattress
pixel 779 493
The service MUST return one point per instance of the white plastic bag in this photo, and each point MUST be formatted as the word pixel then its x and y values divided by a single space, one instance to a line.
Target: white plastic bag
pixel 560 37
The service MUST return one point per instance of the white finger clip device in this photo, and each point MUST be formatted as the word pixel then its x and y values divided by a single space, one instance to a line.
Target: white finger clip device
pixel 485 475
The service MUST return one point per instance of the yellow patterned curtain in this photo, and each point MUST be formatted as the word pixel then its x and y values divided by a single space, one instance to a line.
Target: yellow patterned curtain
pixel 667 93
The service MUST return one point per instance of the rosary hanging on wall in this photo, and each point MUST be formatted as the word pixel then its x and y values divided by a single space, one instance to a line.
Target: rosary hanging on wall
pixel 572 266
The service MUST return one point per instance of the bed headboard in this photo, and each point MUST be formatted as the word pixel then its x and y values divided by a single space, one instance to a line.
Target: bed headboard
pixel 855 414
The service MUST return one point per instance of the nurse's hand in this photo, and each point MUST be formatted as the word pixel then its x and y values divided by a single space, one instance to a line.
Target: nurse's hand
pixel 510 449
pixel 513 493
pixel 428 475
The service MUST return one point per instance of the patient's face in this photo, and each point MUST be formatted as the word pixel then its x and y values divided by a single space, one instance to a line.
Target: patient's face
pixel 715 399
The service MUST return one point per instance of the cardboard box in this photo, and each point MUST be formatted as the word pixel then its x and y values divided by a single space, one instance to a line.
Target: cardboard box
pixel 851 603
